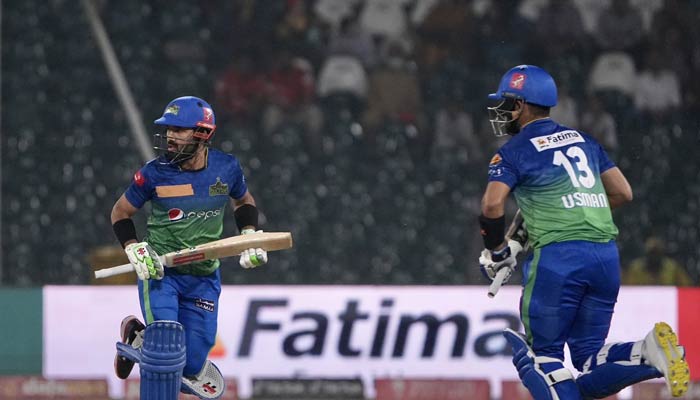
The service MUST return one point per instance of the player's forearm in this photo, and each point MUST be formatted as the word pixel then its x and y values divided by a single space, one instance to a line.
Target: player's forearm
pixel 122 224
pixel 617 199
pixel 617 187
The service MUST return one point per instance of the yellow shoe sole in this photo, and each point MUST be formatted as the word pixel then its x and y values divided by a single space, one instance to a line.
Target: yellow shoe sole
pixel 678 373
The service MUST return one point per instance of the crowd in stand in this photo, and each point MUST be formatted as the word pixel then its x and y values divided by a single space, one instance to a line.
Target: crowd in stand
pixel 363 122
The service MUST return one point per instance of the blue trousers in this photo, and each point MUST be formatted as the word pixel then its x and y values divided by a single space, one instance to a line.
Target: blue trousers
pixel 569 294
pixel 190 300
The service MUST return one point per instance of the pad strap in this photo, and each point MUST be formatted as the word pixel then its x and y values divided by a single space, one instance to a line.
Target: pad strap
pixel 556 376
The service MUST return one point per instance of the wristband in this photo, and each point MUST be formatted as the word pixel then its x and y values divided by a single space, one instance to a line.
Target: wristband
pixel 246 215
pixel 125 231
pixel 492 230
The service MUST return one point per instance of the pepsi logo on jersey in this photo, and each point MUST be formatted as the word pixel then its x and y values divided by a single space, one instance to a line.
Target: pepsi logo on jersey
pixel 176 214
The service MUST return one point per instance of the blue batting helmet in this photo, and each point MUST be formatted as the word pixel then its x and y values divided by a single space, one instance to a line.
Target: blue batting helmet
pixel 530 83
pixel 189 112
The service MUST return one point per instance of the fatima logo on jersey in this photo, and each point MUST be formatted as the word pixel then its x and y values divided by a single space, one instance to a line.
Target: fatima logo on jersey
pixel 559 139
pixel 219 188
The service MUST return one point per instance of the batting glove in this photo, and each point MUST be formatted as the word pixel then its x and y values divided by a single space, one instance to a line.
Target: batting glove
pixel 252 258
pixel 145 260
pixel 492 261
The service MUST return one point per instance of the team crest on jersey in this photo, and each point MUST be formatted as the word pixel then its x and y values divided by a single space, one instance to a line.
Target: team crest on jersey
pixel 495 160
pixel 559 139
pixel 219 188
pixel 174 109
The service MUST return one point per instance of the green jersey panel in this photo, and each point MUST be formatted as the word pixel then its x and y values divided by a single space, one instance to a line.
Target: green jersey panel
pixel 187 206
pixel 554 173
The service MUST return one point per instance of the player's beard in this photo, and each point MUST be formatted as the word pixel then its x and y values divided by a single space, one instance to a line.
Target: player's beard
pixel 183 153
pixel 512 127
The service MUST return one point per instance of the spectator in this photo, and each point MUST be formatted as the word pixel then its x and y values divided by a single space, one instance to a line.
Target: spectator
pixel 333 12
pixel 613 75
pixel 566 110
pixel 657 88
pixel 590 11
pixel 351 40
pixel 450 22
pixel 342 86
pixel 454 132
pixel 619 28
pixel 499 25
pixel 599 123
pixel 289 96
pixel 675 35
pixel 394 92
pixel 385 19
pixel 655 267
pixel 560 26
pixel 239 90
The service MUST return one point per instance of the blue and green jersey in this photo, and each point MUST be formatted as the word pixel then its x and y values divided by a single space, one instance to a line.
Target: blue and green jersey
pixel 187 206
pixel 554 174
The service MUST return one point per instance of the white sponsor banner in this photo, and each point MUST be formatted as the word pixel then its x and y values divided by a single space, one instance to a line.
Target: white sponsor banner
pixel 329 331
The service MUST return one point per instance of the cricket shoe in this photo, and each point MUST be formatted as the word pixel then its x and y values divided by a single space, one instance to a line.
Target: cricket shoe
pixel 661 350
pixel 132 334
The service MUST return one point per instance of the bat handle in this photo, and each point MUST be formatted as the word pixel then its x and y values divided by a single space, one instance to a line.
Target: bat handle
pixel 503 272
pixel 498 281
pixel 118 270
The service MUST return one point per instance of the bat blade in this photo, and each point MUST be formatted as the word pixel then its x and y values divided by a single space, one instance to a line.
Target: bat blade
pixel 227 247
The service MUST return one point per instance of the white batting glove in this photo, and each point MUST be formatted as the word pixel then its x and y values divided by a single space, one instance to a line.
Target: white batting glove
pixel 252 258
pixel 492 261
pixel 145 260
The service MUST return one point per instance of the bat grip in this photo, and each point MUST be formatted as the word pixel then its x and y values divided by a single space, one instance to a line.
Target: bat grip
pixel 118 270
pixel 498 281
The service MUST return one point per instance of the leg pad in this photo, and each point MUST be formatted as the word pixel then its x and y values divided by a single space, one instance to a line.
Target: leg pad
pixel 545 377
pixel 163 357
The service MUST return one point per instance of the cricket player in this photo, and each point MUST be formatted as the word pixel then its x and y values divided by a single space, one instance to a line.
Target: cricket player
pixel 565 185
pixel 189 186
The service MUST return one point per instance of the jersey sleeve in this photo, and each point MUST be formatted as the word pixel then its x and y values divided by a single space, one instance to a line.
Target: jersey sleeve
pixel 239 187
pixel 502 169
pixel 140 190
pixel 604 162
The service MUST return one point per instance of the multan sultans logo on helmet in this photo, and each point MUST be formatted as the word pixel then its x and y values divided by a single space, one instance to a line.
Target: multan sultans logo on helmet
pixel 517 81
pixel 174 109
pixel 219 188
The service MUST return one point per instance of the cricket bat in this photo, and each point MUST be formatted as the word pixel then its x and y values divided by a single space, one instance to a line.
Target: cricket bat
pixel 522 245
pixel 227 247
